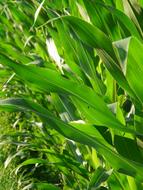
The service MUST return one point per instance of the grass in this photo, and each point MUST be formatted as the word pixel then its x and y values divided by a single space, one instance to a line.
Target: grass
pixel 8 179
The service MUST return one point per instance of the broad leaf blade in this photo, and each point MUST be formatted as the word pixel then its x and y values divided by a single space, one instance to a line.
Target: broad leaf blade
pixel 118 162
pixel 49 80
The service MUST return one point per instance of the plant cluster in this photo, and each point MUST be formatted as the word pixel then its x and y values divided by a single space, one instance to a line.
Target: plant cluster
pixel 71 96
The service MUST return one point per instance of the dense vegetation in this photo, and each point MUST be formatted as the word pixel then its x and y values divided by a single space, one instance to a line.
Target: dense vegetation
pixel 71 99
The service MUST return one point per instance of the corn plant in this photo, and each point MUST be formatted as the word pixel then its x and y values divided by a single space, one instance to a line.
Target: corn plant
pixel 71 75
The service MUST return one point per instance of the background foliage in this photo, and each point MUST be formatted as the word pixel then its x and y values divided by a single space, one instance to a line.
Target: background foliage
pixel 71 94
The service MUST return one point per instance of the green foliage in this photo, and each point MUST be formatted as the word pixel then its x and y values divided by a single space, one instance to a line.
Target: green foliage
pixel 71 74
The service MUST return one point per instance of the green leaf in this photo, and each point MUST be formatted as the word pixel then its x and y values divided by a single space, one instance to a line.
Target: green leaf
pixel 134 68
pixel 128 148
pixel 99 176
pixel 134 11
pixel 90 34
pixel 38 11
pixel 111 20
pixel 47 186
pixel 120 163
pixel 91 131
pixel 95 38
pixel 132 63
pixel 48 80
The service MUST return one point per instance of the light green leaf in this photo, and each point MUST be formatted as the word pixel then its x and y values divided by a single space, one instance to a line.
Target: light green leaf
pixel 38 11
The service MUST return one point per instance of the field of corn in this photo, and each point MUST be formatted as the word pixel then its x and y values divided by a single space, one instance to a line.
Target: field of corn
pixel 71 95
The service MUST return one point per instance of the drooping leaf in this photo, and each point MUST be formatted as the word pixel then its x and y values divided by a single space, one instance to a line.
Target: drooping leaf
pixel 49 80
pixel 120 163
